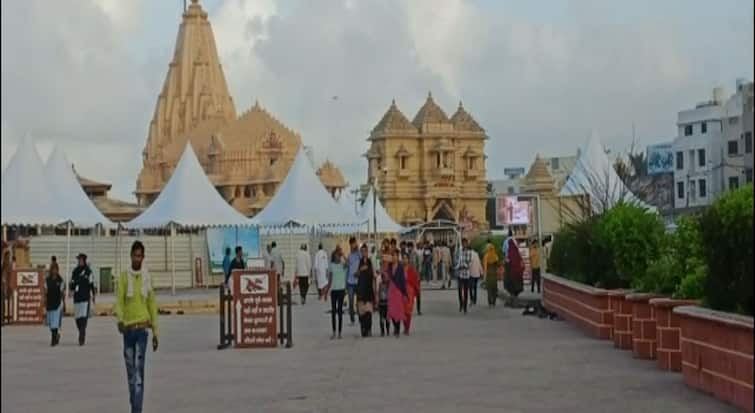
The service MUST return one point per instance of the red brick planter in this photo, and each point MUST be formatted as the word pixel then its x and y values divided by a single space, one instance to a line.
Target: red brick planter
pixel 643 326
pixel 585 306
pixel 717 354
pixel 622 322
pixel 614 296
pixel 668 332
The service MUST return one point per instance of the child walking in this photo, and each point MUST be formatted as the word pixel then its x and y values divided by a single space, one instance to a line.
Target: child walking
pixel 385 324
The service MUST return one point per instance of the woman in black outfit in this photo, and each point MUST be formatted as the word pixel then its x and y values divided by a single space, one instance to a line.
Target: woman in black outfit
pixel 365 292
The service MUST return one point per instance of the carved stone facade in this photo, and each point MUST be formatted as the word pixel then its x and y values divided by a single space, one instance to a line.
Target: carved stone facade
pixel 245 157
pixel 430 168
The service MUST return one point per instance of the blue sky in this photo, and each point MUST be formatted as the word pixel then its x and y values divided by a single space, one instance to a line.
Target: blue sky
pixel 538 76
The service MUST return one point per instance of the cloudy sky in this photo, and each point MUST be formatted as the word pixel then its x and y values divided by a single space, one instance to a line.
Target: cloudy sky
pixel 538 76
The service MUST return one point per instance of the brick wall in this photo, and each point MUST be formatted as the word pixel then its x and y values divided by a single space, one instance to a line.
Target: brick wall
pixel 668 332
pixel 717 354
pixel 585 306
pixel 643 326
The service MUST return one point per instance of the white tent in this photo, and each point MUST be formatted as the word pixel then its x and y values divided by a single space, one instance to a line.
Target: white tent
pixel 188 200
pixel 594 175
pixel 383 221
pixel 27 196
pixel 302 199
pixel 73 201
pixel 347 202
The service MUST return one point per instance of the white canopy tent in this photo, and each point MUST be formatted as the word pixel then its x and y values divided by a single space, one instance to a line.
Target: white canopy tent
pixel 188 200
pixel 72 200
pixel 383 223
pixel 27 196
pixel 347 202
pixel 595 176
pixel 302 199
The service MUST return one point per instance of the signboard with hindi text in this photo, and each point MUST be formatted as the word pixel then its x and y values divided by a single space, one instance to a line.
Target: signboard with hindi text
pixel 255 308
pixel 28 296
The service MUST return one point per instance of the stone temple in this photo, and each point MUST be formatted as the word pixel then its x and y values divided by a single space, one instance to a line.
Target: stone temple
pixel 245 156
pixel 430 168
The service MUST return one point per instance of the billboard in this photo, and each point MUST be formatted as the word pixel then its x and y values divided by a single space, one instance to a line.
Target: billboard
pixel 660 159
pixel 218 239
pixel 509 210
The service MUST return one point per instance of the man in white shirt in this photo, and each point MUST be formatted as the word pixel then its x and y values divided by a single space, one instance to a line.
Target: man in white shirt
pixel 303 272
pixel 321 272
pixel 276 261
pixel 475 272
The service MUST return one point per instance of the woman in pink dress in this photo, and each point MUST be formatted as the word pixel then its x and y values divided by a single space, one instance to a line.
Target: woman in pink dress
pixel 397 295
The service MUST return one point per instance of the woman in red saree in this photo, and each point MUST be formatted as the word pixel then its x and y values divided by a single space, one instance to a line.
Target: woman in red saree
pixel 397 293
pixel 513 279
pixel 412 290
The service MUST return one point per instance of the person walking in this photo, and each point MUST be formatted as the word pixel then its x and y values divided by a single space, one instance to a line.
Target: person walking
pixel 136 312
pixel 365 291
pixel 276 262
pixel 535 265
pixel 227 266
pixel 490 269
pixel 351 276
pixel 237 263
pixel 303 272
pixel 321 272
pixel 427 262
pixel 54 293
pixel 464 275
pixel 445 258
pixel 475 272
pixel 337 285
pixel 397 295
pixel 416 259
pixel 384 284
pixel 412 291
pixel 84 291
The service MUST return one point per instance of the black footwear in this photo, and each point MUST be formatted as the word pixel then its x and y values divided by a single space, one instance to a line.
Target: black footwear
pixel 81 339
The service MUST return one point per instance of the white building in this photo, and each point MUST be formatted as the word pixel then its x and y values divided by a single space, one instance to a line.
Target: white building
pixel 710 148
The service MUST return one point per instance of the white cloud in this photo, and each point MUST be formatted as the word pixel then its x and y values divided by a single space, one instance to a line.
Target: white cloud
pixel 72 72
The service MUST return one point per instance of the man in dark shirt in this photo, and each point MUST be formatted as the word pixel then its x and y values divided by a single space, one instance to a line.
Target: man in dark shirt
pixel 237 263
pixel 82 286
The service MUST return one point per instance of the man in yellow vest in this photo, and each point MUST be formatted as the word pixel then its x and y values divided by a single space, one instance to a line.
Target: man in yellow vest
pixel 136 311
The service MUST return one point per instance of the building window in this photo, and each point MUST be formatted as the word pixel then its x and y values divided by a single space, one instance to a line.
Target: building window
pixel 248 191
pixel 437 160
pixel 688 130
pixel 237 192
pixel 733 147
pixel 701 157
pixel 733 120
pixel 511 191
pixel 733 182
pixel 680 190
pixel 748 142
pixel 703 188
pixel 402 162
pixel 679 161
pixel 555 164
pixel 703 127
pixel 472 163
pixel 748 176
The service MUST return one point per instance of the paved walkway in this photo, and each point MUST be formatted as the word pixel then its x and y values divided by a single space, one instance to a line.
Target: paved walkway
pixel 487 361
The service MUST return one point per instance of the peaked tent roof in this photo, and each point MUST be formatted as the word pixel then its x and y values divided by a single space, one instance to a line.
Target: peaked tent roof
pixel 27 196
pixel 302 199
pixel 384 222
pixel 75 203
pixel 346 201
pixel 190 200
pixel 595 176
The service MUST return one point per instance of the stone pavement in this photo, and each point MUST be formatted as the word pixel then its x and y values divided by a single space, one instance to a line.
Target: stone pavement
pixel 485 361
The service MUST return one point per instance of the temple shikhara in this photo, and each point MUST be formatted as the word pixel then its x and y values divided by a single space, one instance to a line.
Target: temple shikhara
pixel 430 168
pixel 245 156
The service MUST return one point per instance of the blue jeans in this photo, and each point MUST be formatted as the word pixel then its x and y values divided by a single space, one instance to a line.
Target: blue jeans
pixel 351 290
pixel 134 352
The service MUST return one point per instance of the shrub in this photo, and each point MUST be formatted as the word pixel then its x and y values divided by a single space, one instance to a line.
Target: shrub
pixel 633 238
pixel 679 258
pixel 726 229
pixel 576 255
